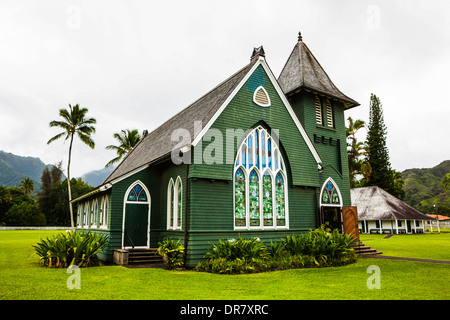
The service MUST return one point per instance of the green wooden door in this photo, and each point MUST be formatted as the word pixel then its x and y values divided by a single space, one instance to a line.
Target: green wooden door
pixel 136 225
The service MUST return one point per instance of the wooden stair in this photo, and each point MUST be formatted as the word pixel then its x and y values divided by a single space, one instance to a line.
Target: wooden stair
pixel 144 256
pixel 362 250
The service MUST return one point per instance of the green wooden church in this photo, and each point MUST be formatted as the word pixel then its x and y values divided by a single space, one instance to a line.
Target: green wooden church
pixel 257 155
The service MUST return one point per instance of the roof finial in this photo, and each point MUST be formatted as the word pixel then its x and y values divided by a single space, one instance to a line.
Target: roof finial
pixel 300 36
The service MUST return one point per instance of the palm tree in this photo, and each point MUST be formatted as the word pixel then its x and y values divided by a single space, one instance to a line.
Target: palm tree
pixel 128 139
pixel 27 185
pixel 74 122
pixel 356 150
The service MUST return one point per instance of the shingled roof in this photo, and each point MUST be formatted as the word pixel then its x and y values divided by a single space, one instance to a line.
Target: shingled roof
pixel 376 204
pixel 302 70
pixel 158 144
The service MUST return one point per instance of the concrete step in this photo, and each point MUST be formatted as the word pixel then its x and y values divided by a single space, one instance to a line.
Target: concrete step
pixel 139 256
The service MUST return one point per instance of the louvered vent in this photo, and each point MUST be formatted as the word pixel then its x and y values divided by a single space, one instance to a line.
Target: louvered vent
pixel 329 114
pixel 261 98
pixel 318 111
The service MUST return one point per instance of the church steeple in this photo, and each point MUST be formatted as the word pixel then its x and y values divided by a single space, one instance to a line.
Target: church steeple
pixel 302 70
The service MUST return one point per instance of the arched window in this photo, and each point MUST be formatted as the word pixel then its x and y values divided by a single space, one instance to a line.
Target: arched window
pixel 260 188
pixel 174 204
pixel 330 194
pixel 137 194
pixel 86 215
pixel 79 215
pixel 104 212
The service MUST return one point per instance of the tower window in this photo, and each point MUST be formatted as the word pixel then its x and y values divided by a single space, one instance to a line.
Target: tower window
pixel 318 110
pixel 329 113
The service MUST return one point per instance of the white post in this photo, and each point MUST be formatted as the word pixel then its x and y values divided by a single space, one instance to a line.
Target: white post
pixel 437 221
pixel 431 225
pixel 396 225
pixel 415 226
pixel 381 231
pixel 406 227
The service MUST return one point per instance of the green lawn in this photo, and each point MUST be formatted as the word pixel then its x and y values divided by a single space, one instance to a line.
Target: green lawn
pixel 423 246
pixel 21 277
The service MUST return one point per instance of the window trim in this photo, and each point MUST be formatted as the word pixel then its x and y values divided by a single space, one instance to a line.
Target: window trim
pixel 277 165
pixel 267 95
pixel 337 190
pixel 172 191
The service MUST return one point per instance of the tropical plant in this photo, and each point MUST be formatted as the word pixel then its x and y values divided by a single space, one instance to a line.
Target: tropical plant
pixel 127 139
pixel 446 181
pixel 356 153
pixel 75 122
pixel 27 185
pixel 240 248
pixel 172 252
pixel 318 248
pixel 79 248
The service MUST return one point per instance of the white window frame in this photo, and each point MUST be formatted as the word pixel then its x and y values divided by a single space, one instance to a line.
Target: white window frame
pixel 276 166
pixel 259 103
pixel 172 192
pixel 103 221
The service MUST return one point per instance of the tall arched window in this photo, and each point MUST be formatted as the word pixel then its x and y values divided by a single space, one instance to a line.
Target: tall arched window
pixel 260 188
pixel 174 204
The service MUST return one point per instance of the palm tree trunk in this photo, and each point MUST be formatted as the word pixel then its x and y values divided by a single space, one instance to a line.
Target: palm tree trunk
pixel 72 224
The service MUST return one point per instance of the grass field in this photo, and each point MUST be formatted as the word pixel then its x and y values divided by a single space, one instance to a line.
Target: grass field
pixel 22 277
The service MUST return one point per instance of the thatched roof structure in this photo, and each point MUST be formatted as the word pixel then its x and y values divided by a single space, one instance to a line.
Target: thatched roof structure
pixel 376 204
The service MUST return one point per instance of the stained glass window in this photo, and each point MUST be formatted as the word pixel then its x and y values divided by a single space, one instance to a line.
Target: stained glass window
pixel 330 194
pixel 253 189
pixel 260 192
pixel 279 196
pixel 239 197
pixel 267 200
pixel 137 194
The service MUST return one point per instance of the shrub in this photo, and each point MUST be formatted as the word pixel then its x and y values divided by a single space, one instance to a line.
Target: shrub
pixel 322 244
pixel 72 248
pixel 171 251
pixel 241 248
pixel 318 248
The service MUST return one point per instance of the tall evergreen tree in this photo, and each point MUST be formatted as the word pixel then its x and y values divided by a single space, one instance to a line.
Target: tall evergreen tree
pixel 378 153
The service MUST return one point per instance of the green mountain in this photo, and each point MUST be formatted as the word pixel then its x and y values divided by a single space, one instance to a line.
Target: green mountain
pixel 15 168
pixel 423 188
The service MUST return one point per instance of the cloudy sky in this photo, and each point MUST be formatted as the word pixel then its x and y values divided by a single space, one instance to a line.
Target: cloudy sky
pixel 134 64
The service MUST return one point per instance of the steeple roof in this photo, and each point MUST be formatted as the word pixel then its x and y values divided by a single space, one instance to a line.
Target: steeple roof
pixel 302 70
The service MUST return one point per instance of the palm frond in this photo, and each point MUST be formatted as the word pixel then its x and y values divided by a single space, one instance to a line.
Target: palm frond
pixel 56 137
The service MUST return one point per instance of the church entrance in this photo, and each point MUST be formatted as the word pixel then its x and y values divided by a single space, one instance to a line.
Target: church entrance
pixel 332 216
pixel 136 222
pixel 331 205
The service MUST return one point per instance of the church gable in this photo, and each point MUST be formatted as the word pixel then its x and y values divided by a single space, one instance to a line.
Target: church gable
pixel 257 101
